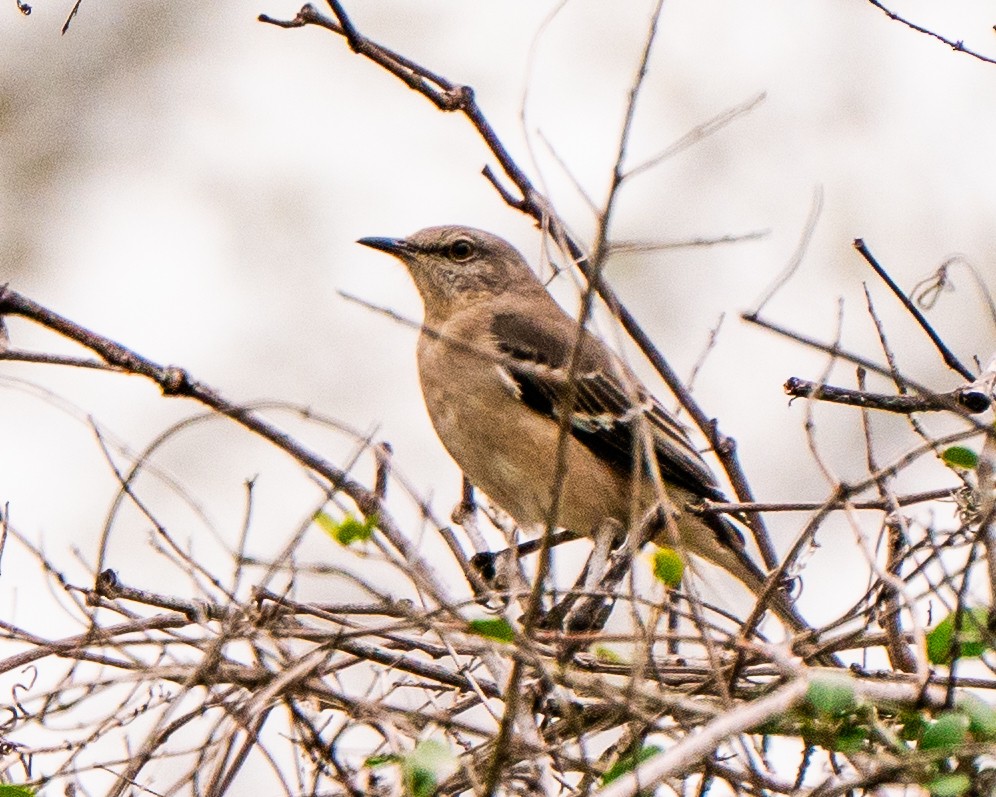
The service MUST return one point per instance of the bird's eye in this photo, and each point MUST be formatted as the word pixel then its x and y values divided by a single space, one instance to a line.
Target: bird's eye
pixel 461 250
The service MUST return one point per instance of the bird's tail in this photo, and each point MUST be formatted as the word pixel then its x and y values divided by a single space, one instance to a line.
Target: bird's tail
pixel 717 540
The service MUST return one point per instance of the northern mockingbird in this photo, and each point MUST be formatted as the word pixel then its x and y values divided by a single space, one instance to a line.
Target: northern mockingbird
pixel 494 359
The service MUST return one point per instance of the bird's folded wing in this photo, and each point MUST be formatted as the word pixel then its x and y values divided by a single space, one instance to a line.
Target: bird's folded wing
pixel 607 413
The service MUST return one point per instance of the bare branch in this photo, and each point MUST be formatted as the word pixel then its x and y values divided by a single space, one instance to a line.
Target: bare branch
pixel 949 358
pixel 964 398
pixel 957 46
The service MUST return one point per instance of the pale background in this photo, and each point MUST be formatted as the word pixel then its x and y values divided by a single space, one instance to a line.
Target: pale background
pixel 191 182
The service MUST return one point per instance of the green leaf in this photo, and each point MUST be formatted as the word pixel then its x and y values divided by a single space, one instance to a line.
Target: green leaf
pixel 7 790
pixel 953 785
pixel 629 762
pixel 960 457
pixel 851 739
pixel 940 639
pixel 668 567
pixel 831 694
pixel 912 726
pixel 381 760
pixel 981 716
pixel 420 782
pixel 606 654
pixel 493 628
pixel 349 529
pixel 422 770
pixel 947 732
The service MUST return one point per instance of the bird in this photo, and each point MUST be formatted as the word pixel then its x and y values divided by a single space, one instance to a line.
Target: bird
pixel 499 361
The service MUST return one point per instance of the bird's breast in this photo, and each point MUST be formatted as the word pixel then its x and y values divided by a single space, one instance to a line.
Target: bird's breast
pixel 505 448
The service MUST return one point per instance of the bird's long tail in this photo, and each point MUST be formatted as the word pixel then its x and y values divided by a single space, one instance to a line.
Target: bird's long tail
pixel 717 540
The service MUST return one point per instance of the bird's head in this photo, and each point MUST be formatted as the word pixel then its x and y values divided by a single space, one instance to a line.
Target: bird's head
pixel 454 266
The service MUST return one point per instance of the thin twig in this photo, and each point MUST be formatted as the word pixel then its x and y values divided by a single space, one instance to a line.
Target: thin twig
pixel 955 44
pixel 175 381
pixel 809 506
pixel 949 358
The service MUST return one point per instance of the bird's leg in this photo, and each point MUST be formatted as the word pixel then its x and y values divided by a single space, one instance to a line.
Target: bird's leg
pixel 502 574
pixel 607 536
pixel 594 609
pixel 595 605
pixel 496 576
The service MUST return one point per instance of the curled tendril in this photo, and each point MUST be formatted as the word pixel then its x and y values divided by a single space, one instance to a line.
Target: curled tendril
pixel 926 292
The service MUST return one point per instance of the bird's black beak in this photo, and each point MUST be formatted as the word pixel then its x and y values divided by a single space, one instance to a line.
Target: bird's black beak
pixel 393 246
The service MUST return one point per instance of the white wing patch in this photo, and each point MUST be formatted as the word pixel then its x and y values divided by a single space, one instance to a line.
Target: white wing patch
pixel 509 382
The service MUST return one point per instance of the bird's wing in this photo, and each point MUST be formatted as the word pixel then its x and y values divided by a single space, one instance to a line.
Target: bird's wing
pixel 606 415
